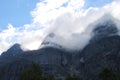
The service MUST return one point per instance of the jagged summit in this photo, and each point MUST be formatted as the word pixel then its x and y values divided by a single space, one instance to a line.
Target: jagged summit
pixel 15 47
pixel 12 51
pixel 50 40
pixel 104 27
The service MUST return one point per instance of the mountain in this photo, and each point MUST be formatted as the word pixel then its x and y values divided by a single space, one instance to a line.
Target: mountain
pixel 50 41
pixel 98 55
pixel 13 51
pixel 12 69
pixel 103 50
pixel 104 28
pixel 52 60
pixel 11 54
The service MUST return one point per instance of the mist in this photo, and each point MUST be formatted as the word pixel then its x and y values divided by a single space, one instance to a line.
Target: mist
pixel 74 31
pixel 74 34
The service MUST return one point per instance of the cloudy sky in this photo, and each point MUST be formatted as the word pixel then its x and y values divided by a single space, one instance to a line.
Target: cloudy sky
pixel 27 22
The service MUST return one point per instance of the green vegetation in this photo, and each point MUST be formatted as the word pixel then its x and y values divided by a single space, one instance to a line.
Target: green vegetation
pixel 50 77
pixel 107 74
pixel 33 73
pixel 69 77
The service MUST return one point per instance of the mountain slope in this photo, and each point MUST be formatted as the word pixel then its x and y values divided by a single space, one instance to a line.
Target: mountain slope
pixel 53 61
pixel 102 51
pixel 100 54
pixel 13 51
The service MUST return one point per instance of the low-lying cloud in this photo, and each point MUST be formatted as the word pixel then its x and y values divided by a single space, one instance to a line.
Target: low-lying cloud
pixel 67 19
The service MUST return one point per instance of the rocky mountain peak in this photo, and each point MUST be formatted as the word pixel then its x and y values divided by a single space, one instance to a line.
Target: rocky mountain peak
pixel 104 29
pixel 14 50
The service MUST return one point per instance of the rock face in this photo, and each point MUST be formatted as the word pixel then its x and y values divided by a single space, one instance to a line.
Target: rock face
pixel 102 51
pixel 100 54
pixel 11 70
pixel 50 41
pixel 13 51
pixel 53 61
pixel 108 28
pixel 10 54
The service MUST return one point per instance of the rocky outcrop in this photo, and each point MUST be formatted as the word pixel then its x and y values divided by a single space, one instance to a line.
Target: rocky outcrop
pixel 13 51
pixel 102 51
pixel 98 55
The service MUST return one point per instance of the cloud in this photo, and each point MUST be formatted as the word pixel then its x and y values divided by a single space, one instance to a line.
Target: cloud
pixel 72 29
pixel 28 35
pixel 48 10
pixel 66 18
pixel 6 37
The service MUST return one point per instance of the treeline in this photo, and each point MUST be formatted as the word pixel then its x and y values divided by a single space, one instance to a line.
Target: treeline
pixel 108 74
pixel 35 73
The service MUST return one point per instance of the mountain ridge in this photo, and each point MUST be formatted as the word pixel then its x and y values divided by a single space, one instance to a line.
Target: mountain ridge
pixel 103 50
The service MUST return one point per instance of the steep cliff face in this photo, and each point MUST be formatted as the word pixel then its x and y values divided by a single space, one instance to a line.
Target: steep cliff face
pixel 104 29
pixel 52 60
pixel 102 51
pixel 100 54
pixel 12 70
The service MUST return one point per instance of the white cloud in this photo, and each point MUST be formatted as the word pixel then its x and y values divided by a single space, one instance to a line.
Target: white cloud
pixel 69 24
pixel 63 17
pixel 48 10
pixel 29 36
pixel 6 37
pixel 31 39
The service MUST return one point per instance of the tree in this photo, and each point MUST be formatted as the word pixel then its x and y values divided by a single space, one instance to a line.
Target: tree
pixel 107 74
pixel 33 73
pixel 49 77
pixel 69 77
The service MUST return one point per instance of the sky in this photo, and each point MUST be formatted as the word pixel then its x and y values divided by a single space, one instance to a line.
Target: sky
pixel 28 22
pixel 96 3
pixel 16 12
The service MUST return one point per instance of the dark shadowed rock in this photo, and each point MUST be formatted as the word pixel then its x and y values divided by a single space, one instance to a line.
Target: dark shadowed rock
pixel 13 51
pixel 106 29
pixel 102 51
pixel 52 60
pixel 12 70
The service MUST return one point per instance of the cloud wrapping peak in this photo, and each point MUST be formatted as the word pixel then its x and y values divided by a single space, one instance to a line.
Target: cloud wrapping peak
pixel 67 19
